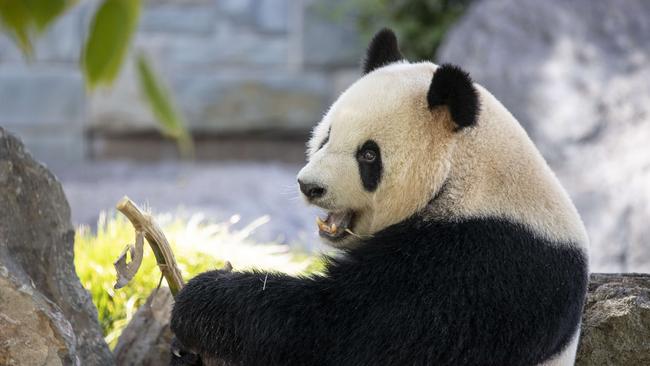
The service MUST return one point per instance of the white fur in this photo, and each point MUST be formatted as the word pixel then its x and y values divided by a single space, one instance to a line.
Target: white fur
pixel 389 107
pixel 492 169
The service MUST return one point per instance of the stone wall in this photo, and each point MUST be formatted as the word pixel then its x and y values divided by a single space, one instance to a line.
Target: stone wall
pixel 234 66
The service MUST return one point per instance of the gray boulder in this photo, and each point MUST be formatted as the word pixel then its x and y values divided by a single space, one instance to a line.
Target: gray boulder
pixel 616 321
pixel 145 341
pixel 575 74
pixel 147 338
pixel 34 331
pixel 36 250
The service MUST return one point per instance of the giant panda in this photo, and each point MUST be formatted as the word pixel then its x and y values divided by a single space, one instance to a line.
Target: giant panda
pixel 458 244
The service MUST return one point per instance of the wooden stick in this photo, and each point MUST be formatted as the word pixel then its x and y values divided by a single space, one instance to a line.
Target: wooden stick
pixel 144 224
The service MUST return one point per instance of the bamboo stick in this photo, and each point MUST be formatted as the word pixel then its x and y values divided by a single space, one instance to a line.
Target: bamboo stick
pixel 145 225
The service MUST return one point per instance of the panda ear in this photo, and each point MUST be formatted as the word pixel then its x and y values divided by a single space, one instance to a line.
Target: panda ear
pixel 383 50
pixel 453 87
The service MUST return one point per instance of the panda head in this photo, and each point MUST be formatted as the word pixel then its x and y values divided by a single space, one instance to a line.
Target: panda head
pixel 383 150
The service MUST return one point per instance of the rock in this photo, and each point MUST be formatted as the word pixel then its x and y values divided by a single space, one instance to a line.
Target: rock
pixel 40 96
pixel 220 103
pixel 147 338
pixel 34 331
pixel 329 42
pixel 145 341
pixel 238 11
pixel 113 110
pixel 8 50
pixel 616 321
pixel 229 46
pixel 272 15
pixel 575 75
pixel 228 103
pixel 198 20
pixel 36 248
pixel 46 105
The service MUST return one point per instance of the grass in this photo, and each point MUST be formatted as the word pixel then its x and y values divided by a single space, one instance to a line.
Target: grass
pixel 198 245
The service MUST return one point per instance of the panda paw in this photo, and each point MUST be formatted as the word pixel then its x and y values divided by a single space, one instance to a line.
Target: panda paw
pixel 181 356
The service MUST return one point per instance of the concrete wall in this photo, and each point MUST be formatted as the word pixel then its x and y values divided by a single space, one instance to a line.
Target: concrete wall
pixel 235 67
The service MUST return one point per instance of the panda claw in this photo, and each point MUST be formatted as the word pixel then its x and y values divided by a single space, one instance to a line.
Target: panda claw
pixel 227 267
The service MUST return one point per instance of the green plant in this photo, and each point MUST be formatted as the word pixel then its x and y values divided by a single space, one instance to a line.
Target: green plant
pixel 420 24
pixel 26 19
pixel 163 106
pixel 198 245
pixel 108 40
pixel 109 37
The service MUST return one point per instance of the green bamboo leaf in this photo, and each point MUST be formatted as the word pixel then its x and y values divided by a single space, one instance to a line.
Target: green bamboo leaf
pixel 45 11
pixel 16 19
pixel 108 41
pixel 23 19
pixel 160 102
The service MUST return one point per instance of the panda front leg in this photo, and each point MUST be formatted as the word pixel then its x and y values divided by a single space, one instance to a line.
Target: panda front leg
pixel 566 357
pixel 248 318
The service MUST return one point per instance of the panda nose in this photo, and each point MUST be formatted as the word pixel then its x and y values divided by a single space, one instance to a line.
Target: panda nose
pixel 311 190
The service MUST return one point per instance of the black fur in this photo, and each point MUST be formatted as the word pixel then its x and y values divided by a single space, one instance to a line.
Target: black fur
pixel 477 292
pixel 370 172
pixel 383 50
pixel 180 356
pixel 453 87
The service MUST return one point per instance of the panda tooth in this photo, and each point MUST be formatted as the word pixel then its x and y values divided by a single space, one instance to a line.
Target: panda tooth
pixel 322 224
pixel 333 228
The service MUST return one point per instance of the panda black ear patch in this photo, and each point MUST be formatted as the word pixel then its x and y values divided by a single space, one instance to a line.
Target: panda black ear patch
pixel 383 50
pixel 453 87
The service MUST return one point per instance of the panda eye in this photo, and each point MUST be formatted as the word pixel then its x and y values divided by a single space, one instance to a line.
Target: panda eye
pixel 367 156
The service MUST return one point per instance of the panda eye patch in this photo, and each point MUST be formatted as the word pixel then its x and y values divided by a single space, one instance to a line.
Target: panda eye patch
pixel 370 166
pixel 367 155
pixel 368 152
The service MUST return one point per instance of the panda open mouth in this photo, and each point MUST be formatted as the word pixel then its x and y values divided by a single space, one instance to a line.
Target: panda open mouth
pixel 336 226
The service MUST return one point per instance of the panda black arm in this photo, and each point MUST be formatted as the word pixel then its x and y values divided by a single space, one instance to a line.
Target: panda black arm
pixel 248 317
pixel 349 316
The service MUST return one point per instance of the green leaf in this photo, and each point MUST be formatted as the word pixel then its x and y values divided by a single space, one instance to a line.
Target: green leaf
pixel 108 41
pixel 161 105
pixel 45 11
pixel 16 19
pixel 23 19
